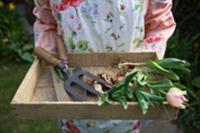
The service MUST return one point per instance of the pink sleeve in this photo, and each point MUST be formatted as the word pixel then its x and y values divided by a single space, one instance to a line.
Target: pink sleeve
pixel 159 25
pixel 45 26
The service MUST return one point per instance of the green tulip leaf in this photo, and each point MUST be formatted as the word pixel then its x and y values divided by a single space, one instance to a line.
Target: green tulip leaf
pixel 153 97
pixel 173 63
pixel 161 84
pixel 144 105
pixel 168 73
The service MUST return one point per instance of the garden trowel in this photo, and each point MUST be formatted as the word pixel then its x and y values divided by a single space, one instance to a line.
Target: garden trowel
pixel 74 83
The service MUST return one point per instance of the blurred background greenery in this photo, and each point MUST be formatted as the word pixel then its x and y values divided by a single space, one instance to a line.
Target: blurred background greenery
pixel 16 55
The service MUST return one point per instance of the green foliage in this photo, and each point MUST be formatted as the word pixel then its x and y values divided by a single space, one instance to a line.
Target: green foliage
pixel 187 16
pixel 168 73
pixel 187 47
pixel 141 86
pixel 185 44
pixel 196 82
pixel 11 74
pixel 15 43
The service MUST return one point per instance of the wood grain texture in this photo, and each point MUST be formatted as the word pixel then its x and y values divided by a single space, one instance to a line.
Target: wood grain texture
pixel 44 90
pixel 107 59
pixel 27 87
pixel 88 110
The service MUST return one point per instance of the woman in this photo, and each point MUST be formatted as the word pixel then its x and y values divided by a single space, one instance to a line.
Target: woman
pixel 104 25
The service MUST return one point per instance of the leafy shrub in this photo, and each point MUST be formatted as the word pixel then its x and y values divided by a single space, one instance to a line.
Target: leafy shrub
pixel 188 48
pixel 187 16
pixel 15 43
pixel 185 44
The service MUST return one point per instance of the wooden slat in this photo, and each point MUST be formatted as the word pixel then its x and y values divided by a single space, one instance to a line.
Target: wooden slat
pixel 26 88
pixel 44 90
pixel 106 59
pixel 89 110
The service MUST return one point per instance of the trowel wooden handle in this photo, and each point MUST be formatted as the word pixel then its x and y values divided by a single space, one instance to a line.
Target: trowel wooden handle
pixel 61 48
pixel 46 56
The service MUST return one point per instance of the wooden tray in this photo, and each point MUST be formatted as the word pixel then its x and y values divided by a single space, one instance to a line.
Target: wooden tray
pixel 39 98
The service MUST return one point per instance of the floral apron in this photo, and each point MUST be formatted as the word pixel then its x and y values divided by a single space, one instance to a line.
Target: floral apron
pixel 100 26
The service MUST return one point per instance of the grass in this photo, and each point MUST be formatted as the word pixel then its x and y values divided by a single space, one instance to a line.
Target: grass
pixel 11 74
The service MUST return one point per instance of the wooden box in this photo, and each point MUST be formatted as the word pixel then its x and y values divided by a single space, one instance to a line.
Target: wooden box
pixel 39 98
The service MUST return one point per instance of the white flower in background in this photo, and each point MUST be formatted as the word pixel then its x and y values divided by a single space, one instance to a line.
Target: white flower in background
pixel 176 98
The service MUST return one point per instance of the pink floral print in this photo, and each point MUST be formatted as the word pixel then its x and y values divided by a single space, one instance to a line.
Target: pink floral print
pixel 136 127
pixel 72 128
pixel 151 41
pixel 66 4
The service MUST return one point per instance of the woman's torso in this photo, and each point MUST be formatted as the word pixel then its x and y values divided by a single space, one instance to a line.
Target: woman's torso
pixel 100 25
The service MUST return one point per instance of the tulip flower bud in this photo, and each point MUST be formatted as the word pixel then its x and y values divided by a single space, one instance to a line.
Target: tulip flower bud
pixel 176 98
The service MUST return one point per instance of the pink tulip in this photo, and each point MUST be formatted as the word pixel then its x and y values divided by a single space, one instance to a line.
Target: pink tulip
pixel 176 98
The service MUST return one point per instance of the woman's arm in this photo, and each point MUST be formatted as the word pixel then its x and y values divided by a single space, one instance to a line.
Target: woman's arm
pixel 159 25
pixel 45 27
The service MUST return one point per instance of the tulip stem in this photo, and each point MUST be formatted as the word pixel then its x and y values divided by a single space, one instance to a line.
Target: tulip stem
pixel 163 92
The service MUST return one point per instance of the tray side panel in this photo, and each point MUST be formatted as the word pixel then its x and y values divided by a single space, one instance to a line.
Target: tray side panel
pixel 107 59
pixel 44 90
pixel 90 111
pixel 27 87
